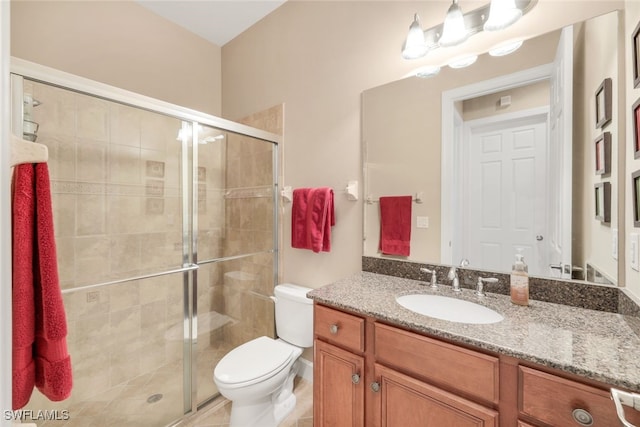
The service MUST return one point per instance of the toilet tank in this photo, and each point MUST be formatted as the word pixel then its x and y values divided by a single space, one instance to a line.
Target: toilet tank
pixel 294 314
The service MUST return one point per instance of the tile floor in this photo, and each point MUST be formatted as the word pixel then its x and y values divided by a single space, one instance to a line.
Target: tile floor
pixel 218 414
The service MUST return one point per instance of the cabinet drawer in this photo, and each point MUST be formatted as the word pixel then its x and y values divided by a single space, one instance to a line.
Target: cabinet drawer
pixel 472 373
pixel 552 400
pixel 343 329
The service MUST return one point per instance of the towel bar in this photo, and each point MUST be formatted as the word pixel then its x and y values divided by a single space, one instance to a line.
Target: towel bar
pixel 417 198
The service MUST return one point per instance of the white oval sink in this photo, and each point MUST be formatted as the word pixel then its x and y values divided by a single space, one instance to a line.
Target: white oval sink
pixel 451 309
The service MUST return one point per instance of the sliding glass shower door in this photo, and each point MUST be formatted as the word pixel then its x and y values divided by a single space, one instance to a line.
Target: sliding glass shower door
pixel 165 234
pixel 236 241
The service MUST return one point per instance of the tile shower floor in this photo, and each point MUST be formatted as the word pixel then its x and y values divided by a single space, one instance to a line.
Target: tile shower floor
pixel 127 404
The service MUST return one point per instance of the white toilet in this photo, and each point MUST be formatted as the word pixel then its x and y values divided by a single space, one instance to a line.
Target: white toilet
pixel 258 375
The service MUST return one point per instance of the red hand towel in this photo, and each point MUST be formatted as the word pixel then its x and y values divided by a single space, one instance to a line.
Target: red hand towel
pixel 312 216
pixel 22 306
pixel 395 225
pixel 53 363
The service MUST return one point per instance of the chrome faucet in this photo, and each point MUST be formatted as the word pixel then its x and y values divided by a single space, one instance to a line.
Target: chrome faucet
pixel 434 285
pixel 481 282
pixel 453 275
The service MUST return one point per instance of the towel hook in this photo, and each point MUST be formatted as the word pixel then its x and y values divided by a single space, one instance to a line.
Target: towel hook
pixel 287 194
pixel 352 190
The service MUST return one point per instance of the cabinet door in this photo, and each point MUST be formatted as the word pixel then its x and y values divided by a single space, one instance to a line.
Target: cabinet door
pixel 403 401
pixel 338 387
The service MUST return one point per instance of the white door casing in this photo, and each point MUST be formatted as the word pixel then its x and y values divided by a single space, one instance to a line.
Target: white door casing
pixel 560 167
pixel 451 167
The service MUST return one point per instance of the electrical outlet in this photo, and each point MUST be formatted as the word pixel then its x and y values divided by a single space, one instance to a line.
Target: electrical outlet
pixel 614 243
pixel 422 222
pixel 633 251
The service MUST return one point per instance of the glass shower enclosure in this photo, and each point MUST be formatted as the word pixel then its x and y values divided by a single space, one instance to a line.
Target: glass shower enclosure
pixel 166 232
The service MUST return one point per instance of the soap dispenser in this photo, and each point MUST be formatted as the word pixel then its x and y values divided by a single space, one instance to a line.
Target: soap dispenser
pixel 520 281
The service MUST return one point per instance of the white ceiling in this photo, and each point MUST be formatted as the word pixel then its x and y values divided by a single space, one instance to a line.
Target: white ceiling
pixel 218 21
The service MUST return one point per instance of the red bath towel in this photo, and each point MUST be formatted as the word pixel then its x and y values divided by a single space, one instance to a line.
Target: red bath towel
pixel 38 314
pixel 312 216
pixel 23 313
pixel 395 225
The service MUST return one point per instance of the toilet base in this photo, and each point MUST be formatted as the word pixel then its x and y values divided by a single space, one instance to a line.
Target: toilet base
pixel 256 413
pixel 268 411
pixel 263 413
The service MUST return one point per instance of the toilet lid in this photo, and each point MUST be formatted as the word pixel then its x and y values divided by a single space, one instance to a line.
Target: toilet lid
pixel 252 361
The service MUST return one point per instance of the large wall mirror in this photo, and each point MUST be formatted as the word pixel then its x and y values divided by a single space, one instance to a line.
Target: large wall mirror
pixel 505 155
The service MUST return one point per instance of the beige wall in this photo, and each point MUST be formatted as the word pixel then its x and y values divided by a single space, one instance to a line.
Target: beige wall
pixel 122 44
pixel 594 60
pixel 317 58
pixel 522 98
pixel 632 17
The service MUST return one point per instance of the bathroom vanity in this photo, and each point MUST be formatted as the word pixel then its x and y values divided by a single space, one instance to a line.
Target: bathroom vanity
pixel 377 363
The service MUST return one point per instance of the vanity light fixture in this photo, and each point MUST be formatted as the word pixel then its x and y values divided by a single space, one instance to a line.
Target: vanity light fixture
pixel 458 27
pixel 454 30
pixel 415 46
pixel 464 61
pixel 502 13
pixel 505 48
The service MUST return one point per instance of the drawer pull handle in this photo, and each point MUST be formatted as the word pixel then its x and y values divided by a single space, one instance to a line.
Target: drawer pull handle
pixel 333 329
pixel 582 417
pixel 375 386
pixel 355 378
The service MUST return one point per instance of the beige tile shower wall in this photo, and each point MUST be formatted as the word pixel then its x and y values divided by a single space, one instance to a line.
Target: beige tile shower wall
pixel 115 174
pixel 115 186
pixel 249 210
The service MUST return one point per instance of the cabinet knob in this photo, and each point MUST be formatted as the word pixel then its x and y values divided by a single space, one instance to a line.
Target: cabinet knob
pixel 582 417
pixel 333 329
pixel 375 386
pixel 355 378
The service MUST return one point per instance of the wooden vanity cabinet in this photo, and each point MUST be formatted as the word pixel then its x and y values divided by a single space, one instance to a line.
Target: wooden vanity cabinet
pixel 402 400
pixel 367 373
pixel 338 387
pixel 550 400
pixel 338 369
pixel 357 383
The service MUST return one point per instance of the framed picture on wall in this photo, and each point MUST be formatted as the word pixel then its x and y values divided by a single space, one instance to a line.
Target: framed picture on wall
pixel 635 187
pixel 603 154
pixel 635 43
pixel 603 103
pixel 636 128
pixel 602 193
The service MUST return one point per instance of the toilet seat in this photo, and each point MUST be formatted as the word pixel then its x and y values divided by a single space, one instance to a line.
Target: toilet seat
pixel 253 362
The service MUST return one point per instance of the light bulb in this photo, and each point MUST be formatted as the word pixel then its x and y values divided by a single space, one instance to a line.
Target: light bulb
pixel 415 45
pixel 502 13
pixel 454 30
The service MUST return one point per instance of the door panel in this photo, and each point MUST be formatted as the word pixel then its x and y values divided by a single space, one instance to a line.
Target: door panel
pixel 505 187
pixel 338 399
pixel 407 402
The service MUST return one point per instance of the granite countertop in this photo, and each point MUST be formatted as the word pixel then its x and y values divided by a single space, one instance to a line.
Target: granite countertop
pixel 593 344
